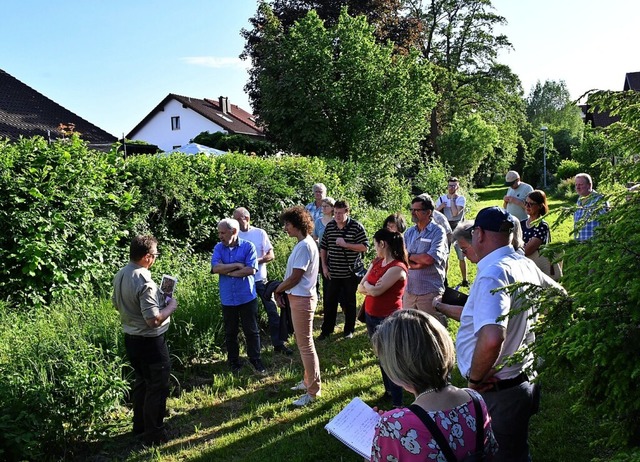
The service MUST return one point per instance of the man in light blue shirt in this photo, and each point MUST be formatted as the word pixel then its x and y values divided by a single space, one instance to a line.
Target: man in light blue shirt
pixel 428 251
pixel 315 207
pixel 236 262
pixel 590 204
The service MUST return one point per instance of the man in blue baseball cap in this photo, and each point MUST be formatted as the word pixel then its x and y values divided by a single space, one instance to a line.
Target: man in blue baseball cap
pixel 493 326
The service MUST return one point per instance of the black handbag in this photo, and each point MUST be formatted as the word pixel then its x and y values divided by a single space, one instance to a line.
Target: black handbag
pixel 477 455
pixel 454 297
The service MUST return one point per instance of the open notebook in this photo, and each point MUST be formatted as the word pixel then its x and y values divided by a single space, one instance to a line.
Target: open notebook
pixel 355 426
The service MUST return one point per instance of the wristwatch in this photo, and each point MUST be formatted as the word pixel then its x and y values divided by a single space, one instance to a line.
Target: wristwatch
pixel 474 382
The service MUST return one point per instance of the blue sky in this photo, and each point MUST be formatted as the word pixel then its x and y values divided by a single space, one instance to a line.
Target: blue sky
pixel 112 61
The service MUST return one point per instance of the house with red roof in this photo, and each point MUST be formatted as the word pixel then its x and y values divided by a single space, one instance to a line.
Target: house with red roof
pixel 26 112
pixel 178 119
pixel 604 119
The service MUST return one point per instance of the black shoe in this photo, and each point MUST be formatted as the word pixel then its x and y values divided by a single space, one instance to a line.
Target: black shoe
pixel 465 283
pixel 236 367
pixel 323 336
pixel 154 439
pixel 284 349
pixel 257 364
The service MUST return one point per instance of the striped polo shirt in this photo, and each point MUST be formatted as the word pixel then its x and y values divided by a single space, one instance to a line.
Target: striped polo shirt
pixel 339 259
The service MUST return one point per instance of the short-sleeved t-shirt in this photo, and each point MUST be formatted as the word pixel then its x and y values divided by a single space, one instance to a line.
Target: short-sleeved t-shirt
pixel 541 231
pixel 520 193
pixel 137 299
pixel 304 256
pixel 260 239
pixel 339 259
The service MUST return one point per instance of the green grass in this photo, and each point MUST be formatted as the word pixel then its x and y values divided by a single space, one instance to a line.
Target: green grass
pixel 218 416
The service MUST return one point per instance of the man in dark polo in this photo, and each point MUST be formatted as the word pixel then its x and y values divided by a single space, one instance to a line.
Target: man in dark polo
pixel 343 241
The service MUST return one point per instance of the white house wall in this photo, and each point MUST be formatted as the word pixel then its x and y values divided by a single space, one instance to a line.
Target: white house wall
pixel 158 129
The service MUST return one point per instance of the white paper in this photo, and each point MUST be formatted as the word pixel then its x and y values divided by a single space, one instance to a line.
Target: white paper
pixel 355 426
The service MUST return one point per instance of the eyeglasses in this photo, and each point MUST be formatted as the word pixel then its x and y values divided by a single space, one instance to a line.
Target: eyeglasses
pixel 156 255
pixel 529 203
pixel 417 210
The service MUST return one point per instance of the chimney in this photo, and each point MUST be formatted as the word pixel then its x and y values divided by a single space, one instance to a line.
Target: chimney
pixel 225 107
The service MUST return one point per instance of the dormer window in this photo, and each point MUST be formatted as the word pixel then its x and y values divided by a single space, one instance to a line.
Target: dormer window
pixel 175 123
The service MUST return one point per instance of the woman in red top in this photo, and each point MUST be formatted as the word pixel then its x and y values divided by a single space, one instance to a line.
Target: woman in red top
pixel 383 286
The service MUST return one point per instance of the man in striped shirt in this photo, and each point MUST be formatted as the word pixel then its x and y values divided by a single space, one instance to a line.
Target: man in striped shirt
pixel 343 241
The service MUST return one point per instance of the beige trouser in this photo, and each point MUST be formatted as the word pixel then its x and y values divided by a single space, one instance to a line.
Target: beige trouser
pixel 424 303
pixel 302 310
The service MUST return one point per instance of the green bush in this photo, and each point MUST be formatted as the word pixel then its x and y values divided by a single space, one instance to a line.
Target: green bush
pixel 185 196
pixel 432 178
pixel 568 168
pixel 56 385
pixel 64 212
pixel 595 340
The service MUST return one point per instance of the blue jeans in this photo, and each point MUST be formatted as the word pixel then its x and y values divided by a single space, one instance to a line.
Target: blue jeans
pixel 510 411
pixel 277 332
pixel 394 390
pixel 149 357
pixel 232 316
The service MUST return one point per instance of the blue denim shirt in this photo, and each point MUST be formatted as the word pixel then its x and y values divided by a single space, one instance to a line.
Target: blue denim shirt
pixel 236 291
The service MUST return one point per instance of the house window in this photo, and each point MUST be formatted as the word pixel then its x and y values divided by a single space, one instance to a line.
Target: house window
pixel 175 123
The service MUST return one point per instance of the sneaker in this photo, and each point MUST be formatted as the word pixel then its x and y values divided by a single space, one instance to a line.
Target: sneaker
pixel 304 400
pixel 349 335
pixel 300 386
pixel 284 349
pixel 465 283
pixel 257 364
pixel 323 336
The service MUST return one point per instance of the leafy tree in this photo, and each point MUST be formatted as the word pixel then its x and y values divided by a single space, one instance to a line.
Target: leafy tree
pixel 458 38
pixel 336 92
pixel 385 15
pixel 622 139
pixel 467 142
pixel 596 339
pixel 550 105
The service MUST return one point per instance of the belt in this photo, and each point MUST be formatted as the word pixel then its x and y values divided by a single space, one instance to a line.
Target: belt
pixel 509 383
pixel 141 337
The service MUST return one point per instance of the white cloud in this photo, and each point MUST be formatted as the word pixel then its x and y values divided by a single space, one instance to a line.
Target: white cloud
pixel 216 62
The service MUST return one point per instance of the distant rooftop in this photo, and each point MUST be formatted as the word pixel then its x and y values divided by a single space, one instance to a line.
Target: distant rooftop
pixel 26 112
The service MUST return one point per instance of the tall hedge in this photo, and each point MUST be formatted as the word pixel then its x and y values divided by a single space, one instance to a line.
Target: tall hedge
pixel 63 211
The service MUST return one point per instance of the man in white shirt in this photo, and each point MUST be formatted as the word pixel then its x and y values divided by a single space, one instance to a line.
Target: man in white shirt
pixel 259 238
pixel 452 206
pixel 494 325
pixel 516 194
